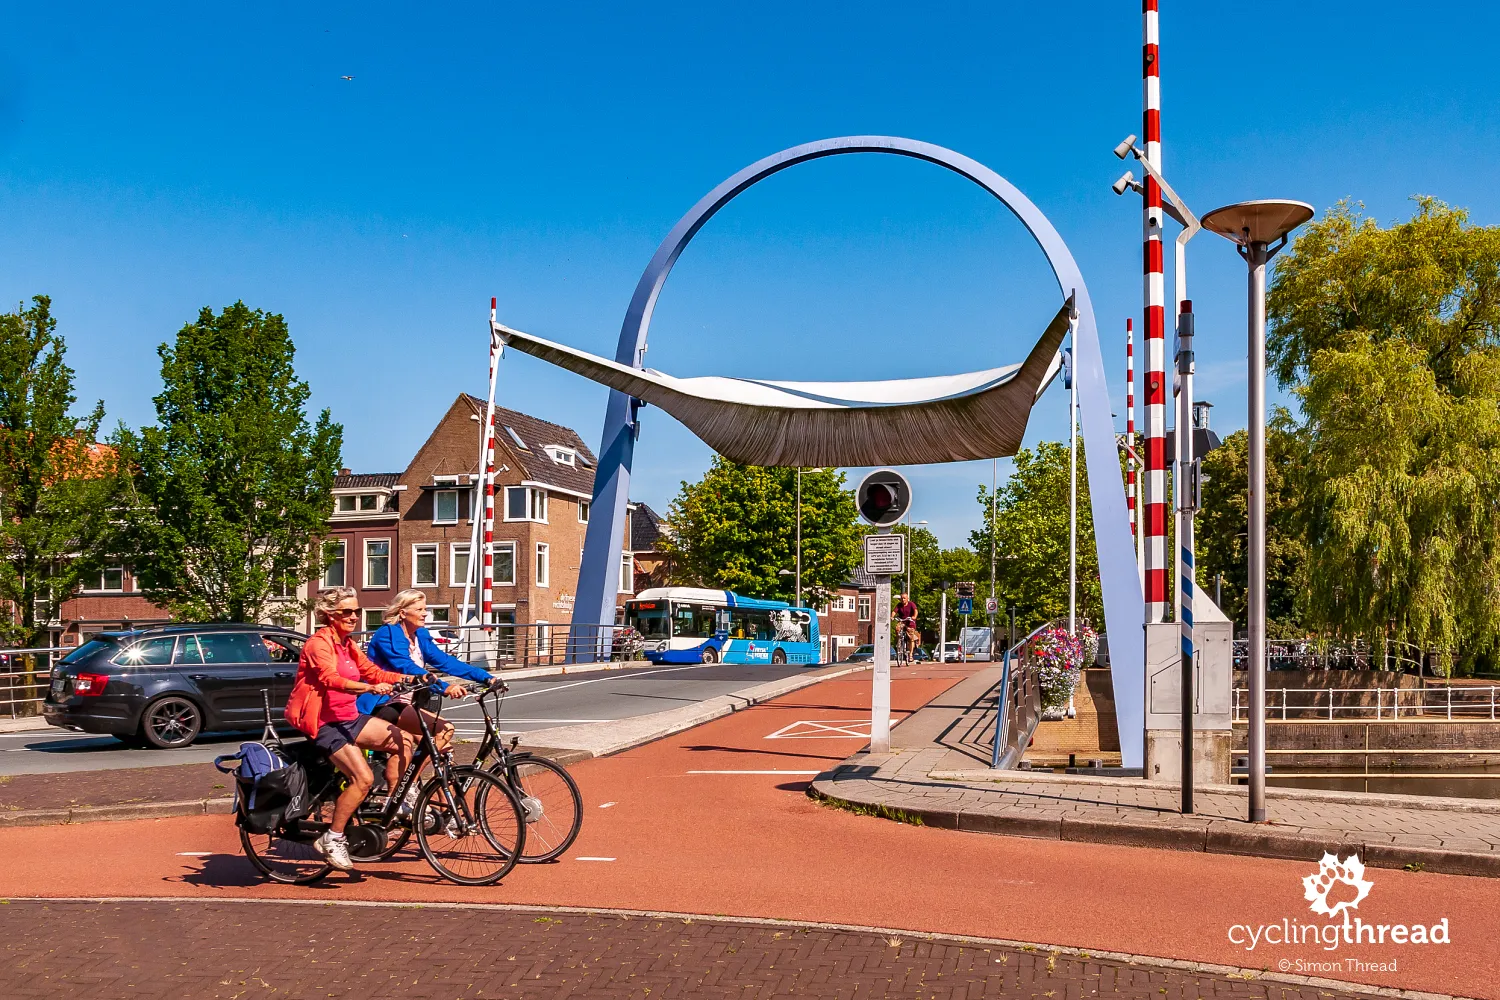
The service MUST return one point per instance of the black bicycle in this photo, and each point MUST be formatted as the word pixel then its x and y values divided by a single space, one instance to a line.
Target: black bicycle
pixel 469 825
pixel 549 796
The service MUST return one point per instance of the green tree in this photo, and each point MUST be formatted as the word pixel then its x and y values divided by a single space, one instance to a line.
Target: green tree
pixel 56 482
pixel 1390 339
pixel 1030 529
pixel 737 530
pixel 1221 526
pixel 232 487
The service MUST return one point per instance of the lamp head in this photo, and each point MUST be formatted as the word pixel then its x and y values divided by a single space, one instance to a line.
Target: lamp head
pixel 1127 182
pixel 1125 147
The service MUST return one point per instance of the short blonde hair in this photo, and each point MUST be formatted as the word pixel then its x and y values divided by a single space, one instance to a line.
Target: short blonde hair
pixel 400 603
pixel 330 599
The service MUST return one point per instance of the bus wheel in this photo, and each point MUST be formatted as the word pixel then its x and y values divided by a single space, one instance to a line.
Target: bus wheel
pixel 710 655
pixel 778 656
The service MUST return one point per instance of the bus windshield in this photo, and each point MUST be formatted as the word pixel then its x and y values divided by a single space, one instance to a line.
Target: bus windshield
pixel 649 618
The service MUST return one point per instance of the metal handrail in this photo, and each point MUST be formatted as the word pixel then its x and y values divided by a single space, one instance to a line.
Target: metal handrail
pixel 23 691
pixel 1018 704
pixel 1391 704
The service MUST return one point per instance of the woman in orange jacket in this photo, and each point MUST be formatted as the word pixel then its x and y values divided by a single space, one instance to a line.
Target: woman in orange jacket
pixel 332 672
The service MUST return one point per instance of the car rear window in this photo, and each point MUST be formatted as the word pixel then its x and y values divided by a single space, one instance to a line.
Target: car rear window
pixel 147 653
pixel 88 649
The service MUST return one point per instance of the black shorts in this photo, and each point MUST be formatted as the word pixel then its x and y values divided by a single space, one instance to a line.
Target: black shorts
pixel 334 736
pixel 389 712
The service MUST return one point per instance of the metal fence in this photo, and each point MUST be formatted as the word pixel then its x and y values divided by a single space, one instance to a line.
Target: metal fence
pixel 24 676
pixel 1446 701
pixel 1310 654
pixel 1018 704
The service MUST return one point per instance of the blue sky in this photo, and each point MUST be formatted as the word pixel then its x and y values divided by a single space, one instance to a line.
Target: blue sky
pixel 153 161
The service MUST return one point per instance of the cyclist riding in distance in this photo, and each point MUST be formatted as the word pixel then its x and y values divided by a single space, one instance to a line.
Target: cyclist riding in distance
pixel 330 675
pixel 402 644
pixel 906 613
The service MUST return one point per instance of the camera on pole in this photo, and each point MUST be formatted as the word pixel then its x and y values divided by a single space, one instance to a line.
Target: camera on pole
pixel 883 498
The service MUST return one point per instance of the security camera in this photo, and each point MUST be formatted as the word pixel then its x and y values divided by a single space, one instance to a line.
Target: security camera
pixel 1127 180
pixel 1123 149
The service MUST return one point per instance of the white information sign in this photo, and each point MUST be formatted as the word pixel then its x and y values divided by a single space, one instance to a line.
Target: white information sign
pixel 885 555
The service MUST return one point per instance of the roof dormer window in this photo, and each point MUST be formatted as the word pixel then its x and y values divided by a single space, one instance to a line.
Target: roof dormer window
pixel 516 438
pixel 561 455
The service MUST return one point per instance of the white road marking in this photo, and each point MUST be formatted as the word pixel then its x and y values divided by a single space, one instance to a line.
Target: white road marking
pixel 826 729
pixel 755 772
pixel 605 805
pixel 593 859
pixel 597 680
pixel 195 854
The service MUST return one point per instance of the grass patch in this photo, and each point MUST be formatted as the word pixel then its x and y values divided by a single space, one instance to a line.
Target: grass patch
pixel 878 811
pixel 1415 866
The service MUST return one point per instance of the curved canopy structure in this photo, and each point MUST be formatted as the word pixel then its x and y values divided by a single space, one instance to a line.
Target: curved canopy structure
pixel 946 418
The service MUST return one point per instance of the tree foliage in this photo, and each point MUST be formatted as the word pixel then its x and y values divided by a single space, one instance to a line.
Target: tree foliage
pixel 1390 339
pixel 737 530
pixel 1221 526
pixel 232 487
pixel 56 483
pixel 1030 529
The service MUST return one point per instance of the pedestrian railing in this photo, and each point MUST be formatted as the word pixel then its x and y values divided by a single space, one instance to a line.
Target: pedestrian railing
pixel 24 676
pixel 1447 701
pixel 1311 654
pixel 1018 704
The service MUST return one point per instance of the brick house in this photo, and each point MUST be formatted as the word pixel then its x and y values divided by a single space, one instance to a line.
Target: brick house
pixel 413 529
pixel 652 566
pixel 113 601
pixel 847 621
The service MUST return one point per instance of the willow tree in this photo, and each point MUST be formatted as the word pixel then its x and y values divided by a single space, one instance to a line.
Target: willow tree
pixel 1390 340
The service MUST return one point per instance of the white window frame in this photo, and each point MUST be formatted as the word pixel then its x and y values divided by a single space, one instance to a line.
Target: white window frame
pixel 627 572
pixel 542 565
pixel 365 576
pixel 535 505
pixel 342 558
pixel 583 511
pixel 455 549
pixel 445 609
pixel 561 455
pixel 511 548
pixel 444 493
pixel 370 618
pixel 863 604
pixel 417 550
pixel 102 588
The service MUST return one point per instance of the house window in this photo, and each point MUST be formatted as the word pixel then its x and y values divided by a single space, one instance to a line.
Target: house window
pixel 864 609
pixel 542 557
pixel 344 505
pixel 362 503
pixel 445 507
pixel 439 616
pixel 283 584
pixel 374 618
pixel 369 501
pixel 560 455
pixel 627 573
pixel 524 503
pixel 458 564
pixel 111 579
pixel 583 512
pixel 377 562
pixel 333 563
pixel 505 563
pixel 424 565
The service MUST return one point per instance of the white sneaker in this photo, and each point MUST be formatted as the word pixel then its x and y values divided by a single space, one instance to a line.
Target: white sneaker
pixel 336 850
pixel 408 804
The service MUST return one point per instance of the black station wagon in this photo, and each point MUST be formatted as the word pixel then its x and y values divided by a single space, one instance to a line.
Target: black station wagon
pixel 162 687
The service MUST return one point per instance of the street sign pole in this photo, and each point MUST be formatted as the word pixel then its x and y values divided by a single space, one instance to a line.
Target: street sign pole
pixel 880 694
pixel 942 624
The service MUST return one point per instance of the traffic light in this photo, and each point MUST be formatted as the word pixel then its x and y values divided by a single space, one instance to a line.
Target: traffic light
pixel 883 497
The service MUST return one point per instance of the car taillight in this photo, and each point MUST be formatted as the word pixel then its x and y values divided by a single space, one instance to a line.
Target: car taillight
pixel 90 684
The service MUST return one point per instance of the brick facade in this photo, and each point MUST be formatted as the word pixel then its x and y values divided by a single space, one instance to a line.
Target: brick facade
pixel 847 621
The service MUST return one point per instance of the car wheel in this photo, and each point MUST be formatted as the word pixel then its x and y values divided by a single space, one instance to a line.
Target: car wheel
pixel 171 723
pixel 710 655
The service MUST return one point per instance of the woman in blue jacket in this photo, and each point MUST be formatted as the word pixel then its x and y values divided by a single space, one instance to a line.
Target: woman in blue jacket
pixel 402 644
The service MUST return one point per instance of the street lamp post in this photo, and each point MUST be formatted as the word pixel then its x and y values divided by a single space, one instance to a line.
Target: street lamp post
pixel 799 536
pixel 1259 229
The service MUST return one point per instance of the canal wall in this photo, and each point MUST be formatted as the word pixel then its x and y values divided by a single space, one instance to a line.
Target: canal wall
pixel 1407 745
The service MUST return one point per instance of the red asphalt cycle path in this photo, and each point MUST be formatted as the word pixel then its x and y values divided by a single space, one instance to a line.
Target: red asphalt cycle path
pixel 749 844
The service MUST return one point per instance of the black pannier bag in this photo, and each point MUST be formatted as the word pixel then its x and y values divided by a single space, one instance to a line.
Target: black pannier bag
pixel 270 790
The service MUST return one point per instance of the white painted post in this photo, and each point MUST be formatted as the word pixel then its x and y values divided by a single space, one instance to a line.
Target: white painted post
pixel 1450 702
pixel 1283 704
pixel 1492 703
pixel 942 625
pixel 880 693
pixel 1330 704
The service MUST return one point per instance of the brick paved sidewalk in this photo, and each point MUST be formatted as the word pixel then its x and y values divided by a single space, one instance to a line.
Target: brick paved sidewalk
pixel 205 950
pixel 936 773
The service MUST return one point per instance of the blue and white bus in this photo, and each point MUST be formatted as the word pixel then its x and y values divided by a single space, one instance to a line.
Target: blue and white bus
pixel 694 625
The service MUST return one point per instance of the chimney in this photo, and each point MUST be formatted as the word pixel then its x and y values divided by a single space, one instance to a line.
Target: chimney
pixel 343 472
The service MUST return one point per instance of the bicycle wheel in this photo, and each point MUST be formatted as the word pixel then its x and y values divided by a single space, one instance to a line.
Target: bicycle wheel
pixel 292 860
pixel 551 803
pixel 479 845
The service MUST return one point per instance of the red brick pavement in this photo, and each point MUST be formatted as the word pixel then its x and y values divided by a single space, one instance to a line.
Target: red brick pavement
pixel 207 950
